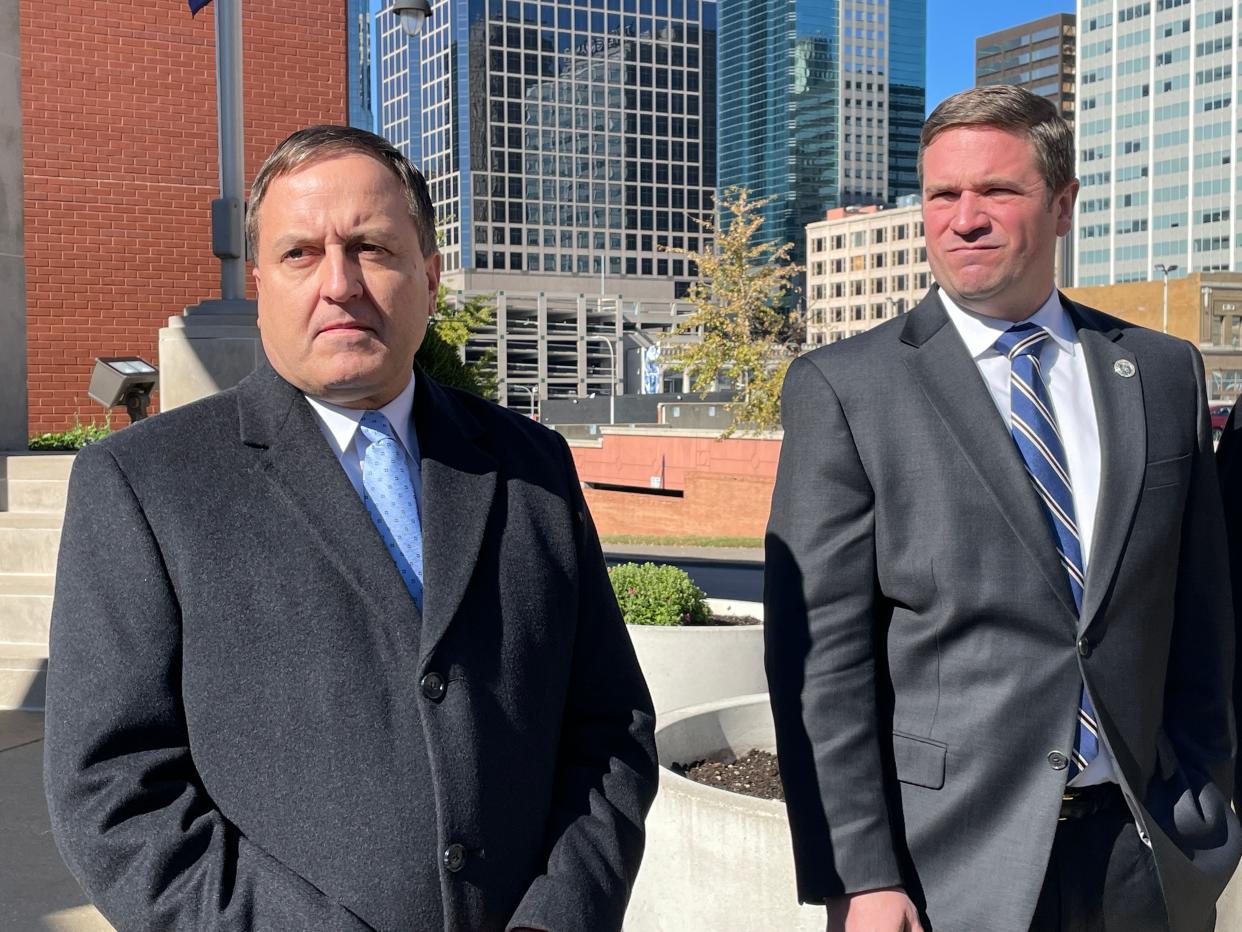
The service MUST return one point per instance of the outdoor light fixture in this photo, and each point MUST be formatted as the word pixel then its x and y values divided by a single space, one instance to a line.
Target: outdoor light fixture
pixel 125 380
pixel 413 14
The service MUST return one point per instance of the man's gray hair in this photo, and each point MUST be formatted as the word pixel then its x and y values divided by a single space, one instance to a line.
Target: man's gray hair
pixel 318 142
pixel 1017 111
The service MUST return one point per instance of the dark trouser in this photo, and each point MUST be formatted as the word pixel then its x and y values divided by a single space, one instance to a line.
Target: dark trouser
pixel 1101 877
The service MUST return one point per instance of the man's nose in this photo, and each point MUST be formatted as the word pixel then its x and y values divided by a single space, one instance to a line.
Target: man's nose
pixel 340 275
pixel 969 215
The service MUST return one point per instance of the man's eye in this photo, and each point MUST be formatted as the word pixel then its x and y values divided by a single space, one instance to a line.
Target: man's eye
pixel 295 253
pixel 369 247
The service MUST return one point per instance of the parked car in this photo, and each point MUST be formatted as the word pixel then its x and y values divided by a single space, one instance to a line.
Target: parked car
pixel 1220 414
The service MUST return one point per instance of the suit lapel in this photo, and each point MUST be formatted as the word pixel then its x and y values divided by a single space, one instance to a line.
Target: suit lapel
pixel 1120 412
pixel 953 385
pixel 459 483
pixel 302 468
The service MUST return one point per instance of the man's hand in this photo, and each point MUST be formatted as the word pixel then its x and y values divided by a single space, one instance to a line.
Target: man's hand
pixel 888 910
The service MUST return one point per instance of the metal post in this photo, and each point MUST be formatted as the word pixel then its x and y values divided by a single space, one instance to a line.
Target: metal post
pixel 226 214
pixel 612 389
pixel 1164 272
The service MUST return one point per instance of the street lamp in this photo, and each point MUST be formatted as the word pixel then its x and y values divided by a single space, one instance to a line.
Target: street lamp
pixel 612 388
pixel 413 13
pixel 1164 271
pixel 527 388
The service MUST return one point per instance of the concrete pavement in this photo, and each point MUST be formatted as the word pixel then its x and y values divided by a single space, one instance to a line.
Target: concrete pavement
pixel 37 893
pixel 724 554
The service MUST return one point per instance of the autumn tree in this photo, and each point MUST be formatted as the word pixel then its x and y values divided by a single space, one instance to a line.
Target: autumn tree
pixel 443 347
pixel 744 332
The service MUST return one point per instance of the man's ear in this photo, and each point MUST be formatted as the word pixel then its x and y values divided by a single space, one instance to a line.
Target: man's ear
pixel 1063 204
pixel 432 265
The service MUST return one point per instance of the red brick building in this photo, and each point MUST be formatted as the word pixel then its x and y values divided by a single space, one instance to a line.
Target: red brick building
pixel 120 166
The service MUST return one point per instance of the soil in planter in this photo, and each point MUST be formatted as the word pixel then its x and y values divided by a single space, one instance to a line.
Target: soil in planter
pixel 753 774
pixel 730 620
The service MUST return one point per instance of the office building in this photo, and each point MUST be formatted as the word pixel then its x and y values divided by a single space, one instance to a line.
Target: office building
pixel 1157 135
pixel 821 104
pixel 564 141
pixel 360 73
pixel 865 264
pixel 1038 56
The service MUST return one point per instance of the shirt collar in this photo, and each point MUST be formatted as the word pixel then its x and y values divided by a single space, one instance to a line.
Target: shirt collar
pixel 980 333
pixel 342 423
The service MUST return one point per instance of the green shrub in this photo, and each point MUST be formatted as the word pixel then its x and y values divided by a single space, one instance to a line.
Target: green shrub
pixel 657 595
pixel 73 439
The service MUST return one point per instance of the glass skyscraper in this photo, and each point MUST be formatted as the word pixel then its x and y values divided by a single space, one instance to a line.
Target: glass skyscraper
pixel 360 81
pixel 821 104
pixel 559 137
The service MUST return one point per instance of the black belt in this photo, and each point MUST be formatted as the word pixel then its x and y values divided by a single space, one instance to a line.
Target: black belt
pixel 1084 801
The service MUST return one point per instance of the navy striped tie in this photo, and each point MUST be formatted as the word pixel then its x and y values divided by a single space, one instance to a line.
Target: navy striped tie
pixel 1034 429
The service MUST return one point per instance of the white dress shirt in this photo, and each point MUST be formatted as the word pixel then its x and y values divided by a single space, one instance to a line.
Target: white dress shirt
pixel 1065 374
pixel 340 427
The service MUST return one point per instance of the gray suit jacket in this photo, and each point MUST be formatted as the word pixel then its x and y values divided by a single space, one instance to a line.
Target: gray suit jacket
pixel 923 651
pixel 240 687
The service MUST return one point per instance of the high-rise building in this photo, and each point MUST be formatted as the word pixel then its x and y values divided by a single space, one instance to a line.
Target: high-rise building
pixel 865 264
pixel 565 140
pixel 821 104
pixel 1156 139
pixel 360 79
pixel 1038 56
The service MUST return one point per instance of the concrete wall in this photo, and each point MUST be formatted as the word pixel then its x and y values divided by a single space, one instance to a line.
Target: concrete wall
pixel 13 427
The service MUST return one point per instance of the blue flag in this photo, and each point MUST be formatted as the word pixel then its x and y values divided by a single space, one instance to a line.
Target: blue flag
pixel 196 5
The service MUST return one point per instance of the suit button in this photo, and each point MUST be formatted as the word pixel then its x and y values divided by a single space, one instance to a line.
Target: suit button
pixel 1084 647
pixel 1057 760
pixel 455 858
pixel 434 687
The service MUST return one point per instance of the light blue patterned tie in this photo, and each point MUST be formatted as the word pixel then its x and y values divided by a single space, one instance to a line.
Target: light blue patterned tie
pixel 389 497
pixel 1034 429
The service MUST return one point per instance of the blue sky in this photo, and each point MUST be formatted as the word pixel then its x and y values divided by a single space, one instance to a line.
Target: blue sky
pixel 953 26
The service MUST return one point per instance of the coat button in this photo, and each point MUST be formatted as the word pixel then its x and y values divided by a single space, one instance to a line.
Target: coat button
pixel 434 687
pixel 1084 647
pixel 1057 760
pixel 455 857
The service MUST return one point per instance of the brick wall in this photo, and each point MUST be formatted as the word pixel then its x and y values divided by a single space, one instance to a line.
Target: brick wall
pixel 1142 303
pixel 726 485
pixel 119 114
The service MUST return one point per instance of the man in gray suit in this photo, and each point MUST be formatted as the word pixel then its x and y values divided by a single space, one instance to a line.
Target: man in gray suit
pixel 999 641
pixel 336 649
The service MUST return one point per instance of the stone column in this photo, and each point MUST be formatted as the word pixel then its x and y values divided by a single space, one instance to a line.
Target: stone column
pixel 14 424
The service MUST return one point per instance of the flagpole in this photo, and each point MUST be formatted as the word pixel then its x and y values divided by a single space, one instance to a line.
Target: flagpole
pixel 227 236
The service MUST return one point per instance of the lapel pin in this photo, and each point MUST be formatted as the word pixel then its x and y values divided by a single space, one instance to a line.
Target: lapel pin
pixel 1124 368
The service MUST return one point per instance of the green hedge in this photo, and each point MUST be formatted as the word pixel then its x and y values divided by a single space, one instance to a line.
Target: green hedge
pixel 75 438
pixel 657 595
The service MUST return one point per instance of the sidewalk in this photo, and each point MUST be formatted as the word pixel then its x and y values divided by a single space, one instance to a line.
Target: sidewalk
pixel 724 554
pixel 37 894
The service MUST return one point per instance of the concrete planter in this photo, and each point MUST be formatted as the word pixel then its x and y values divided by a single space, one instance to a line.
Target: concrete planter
pixel 720 860
pixel 715 859
pixel 690 666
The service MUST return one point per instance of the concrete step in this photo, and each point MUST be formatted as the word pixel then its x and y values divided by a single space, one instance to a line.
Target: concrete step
pixel 46 496
pixel 23 676
pixel 29 542
pixel 25 607
pixel 36 465
pixel 35 482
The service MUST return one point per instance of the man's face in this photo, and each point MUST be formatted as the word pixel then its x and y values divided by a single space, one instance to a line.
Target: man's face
pixel 991 231
pixel 344 289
